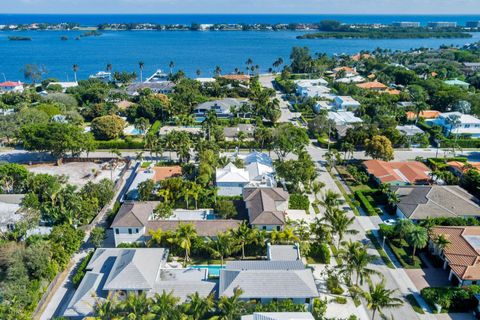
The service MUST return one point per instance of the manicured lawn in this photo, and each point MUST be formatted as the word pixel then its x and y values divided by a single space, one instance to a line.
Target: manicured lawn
pixel 403 252
pixel 335 255
pixel 381 252
pixel 346 196
pixel 414 303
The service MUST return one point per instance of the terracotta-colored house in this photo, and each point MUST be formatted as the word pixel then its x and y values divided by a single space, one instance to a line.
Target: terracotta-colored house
pixel 162 173
pixel 459 168
pixel 373 85
pixel 398 173
pixel 462 256
pixel 426 114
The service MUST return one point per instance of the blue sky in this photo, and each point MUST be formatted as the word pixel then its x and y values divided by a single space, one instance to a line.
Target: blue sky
pixel 243 6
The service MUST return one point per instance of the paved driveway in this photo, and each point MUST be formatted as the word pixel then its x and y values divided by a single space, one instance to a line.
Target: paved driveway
pixel 429 277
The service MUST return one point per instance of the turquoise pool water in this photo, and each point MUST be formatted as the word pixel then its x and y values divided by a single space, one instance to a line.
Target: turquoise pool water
pixel 213 270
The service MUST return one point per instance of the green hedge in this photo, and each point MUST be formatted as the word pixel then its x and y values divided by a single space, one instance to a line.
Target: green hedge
pixel 380 250
pixel 242 145
pixel 462 143
pixel 320 253
pixel 299 202
pixel 452 299
pixel 365 204
pixel 120 144
pixel 77 278
pixel 155 128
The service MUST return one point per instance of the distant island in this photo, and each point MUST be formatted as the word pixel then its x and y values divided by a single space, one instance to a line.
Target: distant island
pixel 331 29
pixel 19 38
pixel 328 29
pixel 386 34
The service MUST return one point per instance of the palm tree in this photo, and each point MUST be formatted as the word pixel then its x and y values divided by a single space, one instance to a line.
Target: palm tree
pixel 454 122
pixel 171 65
pixel 156 237
pixel 331 199
pixel 221 246
pixel 198 72
pixel 75 70
pixel 378 298
pixel 288 236
pixel 402 228
pixel 164 306
pixel 417 238
pixel 209 123
pixel 217 71
pixel 184 236
pixel 357 259
pixel 136 306
pixel 106 309
pixel 195 190
pixel 338 222
pixel 441 242
pixel 243 234
pixel 393 199
pixel 197 307
pixel 230 308
pixel 141 64
pixel 109 67
pixel 316 188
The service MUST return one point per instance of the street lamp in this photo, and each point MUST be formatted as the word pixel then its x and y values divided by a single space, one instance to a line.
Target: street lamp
pixel 383 244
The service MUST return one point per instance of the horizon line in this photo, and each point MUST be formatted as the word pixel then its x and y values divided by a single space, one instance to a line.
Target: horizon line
pixel 247 13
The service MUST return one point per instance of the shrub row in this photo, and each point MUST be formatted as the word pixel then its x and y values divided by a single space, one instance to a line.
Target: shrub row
pixel 299 202
pixel 462 143
pixel 320 253
pixel 120 144
pixel 452 299
pixel 366 205
pixel 77 278
pixel 154 128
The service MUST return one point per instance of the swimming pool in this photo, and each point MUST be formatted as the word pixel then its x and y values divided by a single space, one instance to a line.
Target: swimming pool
pixel 213 270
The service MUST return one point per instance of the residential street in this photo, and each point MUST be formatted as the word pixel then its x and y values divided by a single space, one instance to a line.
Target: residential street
pixel 64 292
pixel 395 278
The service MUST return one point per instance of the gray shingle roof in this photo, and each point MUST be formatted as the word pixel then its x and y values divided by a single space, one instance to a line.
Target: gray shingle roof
pixel 283 252
pixel 204 228
pixel 279 284
pixel 261 205
pixel 136 269
pixel 184 282
pixel 86 296
pixel 421 202
pixel 264 265
pixel 134 214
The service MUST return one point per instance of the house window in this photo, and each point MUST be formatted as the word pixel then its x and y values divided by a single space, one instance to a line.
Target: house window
pixel 264 228
pixel 136 230
pixel 474 282
pixel 129 231
pixel 307 300
pixel 467 126
pixel 117 231
pixel 278 228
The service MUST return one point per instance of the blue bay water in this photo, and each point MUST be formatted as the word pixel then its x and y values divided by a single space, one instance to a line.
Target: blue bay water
pixel 188 49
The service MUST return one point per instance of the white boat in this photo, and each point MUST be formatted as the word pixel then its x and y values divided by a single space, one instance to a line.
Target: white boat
pixel 158 76
pixel 102 75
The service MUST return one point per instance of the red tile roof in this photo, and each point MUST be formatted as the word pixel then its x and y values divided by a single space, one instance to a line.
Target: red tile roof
pixel 10 84
pixel 162 173
pixel 461 255
pixel 372 85
pixel 427 114
pixel 237 77
pixel 460 165
pixel 406 171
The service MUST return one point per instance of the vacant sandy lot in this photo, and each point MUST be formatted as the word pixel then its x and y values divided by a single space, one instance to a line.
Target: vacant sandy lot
pixel 79 173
